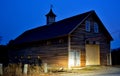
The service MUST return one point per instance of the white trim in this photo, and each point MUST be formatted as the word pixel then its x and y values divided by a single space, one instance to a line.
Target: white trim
pixel 69 48
pixel 110 63
pixel 109 59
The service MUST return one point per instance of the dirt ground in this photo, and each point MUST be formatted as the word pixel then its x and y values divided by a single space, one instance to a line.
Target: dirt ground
pixel 89 71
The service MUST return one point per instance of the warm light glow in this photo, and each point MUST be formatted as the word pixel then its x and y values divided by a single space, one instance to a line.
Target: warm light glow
pixel 92 54
pixel 71 63
pixel 74 58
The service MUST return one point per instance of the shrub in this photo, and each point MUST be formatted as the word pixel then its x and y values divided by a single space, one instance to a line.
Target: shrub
pixel 17 70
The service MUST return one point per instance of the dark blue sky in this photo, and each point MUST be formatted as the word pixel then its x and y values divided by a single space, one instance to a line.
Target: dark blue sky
pixel 17 16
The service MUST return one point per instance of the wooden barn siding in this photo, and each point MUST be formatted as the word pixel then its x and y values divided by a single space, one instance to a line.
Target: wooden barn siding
pixel 78 43
pixel 52 54
pixel 104 44
pixel 105 50
pixel 79 36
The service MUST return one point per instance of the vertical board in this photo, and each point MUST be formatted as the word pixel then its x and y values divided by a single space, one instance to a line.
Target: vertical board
pixel 25 68
pixel 45 68
pixel 1 69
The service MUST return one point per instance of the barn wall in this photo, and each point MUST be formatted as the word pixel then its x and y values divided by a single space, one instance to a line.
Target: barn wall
pixel 53 52
pixel 105 51
pixel 78 43
pixel 80 37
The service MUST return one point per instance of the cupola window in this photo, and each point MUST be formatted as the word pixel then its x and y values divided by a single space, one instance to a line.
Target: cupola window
pixel 50 17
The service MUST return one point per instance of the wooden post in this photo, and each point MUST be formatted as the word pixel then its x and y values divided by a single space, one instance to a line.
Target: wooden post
pixel 45 68
pixel 25 69
pixel 110 59
pixel 1 69
pixel 69 49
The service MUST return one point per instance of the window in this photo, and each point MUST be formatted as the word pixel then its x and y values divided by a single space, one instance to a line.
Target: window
pixel 96 42
pixel 61 41
pixel 96 29
pixel 87 42
pixel 87 26
pixel 51 19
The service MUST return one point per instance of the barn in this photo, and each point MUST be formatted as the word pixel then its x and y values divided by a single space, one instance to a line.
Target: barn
pixel 77 41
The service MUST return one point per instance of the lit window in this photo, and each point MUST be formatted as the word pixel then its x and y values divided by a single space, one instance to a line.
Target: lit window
pixel 96 29
pixel 87 26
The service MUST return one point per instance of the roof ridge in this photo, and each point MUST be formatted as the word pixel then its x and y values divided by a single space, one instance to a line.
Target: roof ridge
pixel 76 15
pixel 60 20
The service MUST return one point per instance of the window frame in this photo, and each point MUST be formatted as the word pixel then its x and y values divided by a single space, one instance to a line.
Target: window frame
pixel 87 26
pixel 96 27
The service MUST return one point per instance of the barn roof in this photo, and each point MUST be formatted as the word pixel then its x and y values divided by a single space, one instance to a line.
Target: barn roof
pixel 56 29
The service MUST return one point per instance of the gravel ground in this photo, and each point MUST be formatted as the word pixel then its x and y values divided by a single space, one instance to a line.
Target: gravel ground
pixel 94 71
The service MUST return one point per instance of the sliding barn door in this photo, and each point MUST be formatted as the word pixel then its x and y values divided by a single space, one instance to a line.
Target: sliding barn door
pixel 74 58
pixel 92 54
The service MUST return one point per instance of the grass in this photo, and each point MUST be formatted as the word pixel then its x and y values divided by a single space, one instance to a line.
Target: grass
pixel 33 70
pixel 12 70
pixel 16 70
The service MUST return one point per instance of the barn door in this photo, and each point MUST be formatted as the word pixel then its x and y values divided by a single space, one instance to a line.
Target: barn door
pixel 92 54
pixel 74 58
pixel 77 60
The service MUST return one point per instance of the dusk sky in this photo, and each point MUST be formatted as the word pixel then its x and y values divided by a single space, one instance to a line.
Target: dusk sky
pixel 17 16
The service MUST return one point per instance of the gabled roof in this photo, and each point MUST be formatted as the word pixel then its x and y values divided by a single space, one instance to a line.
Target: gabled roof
pixel 56 29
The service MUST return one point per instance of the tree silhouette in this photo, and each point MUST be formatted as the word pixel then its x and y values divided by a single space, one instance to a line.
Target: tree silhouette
pixel 0 39
pixel 116 56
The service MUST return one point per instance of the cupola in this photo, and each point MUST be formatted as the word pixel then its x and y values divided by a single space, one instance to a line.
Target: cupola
pixel 50 17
